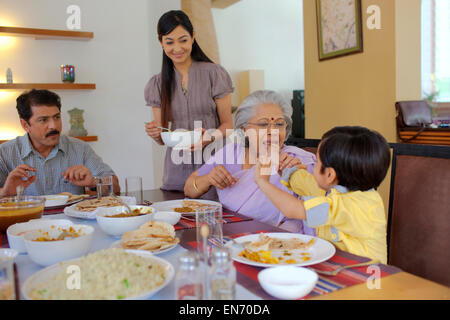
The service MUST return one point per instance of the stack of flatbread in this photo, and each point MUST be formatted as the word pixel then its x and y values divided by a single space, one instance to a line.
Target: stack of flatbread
pixel 92 204
pixel 194 205
pixel 152 236
pixel 73 197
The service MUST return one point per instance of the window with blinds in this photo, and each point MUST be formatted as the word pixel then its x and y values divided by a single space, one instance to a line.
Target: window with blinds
pixel 436 50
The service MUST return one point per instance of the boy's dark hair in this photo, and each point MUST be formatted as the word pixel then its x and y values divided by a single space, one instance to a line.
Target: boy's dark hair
pixel 35 98
pixel 359 156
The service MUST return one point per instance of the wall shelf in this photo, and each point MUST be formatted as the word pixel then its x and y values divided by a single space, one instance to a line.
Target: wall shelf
pixel 48 86
pixel 44 34
pixel 85 138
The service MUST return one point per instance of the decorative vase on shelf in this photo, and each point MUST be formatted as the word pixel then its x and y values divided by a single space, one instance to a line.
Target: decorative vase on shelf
pixel 76 123
pixel 9 76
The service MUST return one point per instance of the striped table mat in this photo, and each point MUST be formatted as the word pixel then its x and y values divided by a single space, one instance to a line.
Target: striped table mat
pixel 189 222
pixel 247 275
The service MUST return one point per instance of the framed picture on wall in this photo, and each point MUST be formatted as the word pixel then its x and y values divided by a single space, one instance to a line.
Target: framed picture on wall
pixel 339 28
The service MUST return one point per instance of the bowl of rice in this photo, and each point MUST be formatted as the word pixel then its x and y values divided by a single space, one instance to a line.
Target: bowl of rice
pixel 111 274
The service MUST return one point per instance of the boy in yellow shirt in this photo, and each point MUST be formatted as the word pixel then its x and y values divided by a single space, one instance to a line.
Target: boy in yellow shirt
pixel 351 163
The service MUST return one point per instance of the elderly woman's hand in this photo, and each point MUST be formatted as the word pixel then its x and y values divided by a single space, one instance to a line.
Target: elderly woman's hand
pixel 263 170
pixel 286 161
pixel 220 178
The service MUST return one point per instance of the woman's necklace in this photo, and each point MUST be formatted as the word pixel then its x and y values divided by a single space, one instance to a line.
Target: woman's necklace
pixel 183 87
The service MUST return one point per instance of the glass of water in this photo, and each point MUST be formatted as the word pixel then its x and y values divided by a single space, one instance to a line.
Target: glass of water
pixel 209 229
pixel 133 188
pixel 104 186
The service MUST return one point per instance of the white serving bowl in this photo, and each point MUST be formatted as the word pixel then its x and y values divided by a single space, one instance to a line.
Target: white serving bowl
pixel 171 217
pixel 55 200
pixel 181 139
pixel 16 232
pixel 287 282
pixel 46 253
pixel 118 226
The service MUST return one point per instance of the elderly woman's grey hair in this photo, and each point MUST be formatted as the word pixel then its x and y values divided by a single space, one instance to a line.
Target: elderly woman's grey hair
pixel 248 108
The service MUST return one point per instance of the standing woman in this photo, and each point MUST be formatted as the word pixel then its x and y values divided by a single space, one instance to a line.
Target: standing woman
pixel 189 88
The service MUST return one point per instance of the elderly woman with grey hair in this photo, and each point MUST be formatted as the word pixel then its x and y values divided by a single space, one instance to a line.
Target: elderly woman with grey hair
pixel 263 122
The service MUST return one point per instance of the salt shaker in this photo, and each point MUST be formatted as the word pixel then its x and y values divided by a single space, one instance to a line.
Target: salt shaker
pixel 189 278
pixel 222 275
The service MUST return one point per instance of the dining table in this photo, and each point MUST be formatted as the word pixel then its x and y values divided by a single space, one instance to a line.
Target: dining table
pixel 385 282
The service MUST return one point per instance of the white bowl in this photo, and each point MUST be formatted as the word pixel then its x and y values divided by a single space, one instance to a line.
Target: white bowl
pixel 16 232
pixel 46 253
pixel 181 139
pixel 118 226
pixel 55 200
pixel 171 217
pixel 287 282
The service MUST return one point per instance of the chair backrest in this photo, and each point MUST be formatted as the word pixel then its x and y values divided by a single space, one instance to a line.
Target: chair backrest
pixel 306 144
pixel 419 211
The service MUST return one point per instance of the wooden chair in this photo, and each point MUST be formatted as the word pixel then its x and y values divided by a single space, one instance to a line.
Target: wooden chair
pixel 419 211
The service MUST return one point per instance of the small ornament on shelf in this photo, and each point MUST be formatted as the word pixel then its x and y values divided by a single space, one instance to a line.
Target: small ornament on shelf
pixel 9 76
pixel 67 73
pixel 76 123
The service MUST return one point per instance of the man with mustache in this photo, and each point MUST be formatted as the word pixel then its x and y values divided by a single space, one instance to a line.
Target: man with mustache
pixel 43 161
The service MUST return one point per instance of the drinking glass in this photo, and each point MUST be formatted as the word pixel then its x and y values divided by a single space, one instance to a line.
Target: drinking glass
pixel 209 229
pixel 133 188
pixel 7 281
pixel 104 186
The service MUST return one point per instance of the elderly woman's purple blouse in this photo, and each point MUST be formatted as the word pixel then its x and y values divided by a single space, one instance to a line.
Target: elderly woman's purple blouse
pixel 245 196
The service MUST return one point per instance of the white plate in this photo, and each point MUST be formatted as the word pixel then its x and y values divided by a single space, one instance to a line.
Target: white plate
pixel 72 212
pixel 320 251
pixel 51 271
pixel 117 244
pixel 66 204
pixel 172 204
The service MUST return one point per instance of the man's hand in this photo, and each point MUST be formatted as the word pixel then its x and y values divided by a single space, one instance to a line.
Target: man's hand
pixel 80 176
pixel 19 176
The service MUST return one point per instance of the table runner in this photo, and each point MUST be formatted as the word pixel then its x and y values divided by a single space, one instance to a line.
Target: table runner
pixel 247 275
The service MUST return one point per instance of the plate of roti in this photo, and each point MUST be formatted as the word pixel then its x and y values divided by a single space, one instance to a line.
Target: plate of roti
pixel 187 207
pixel 87 209
pixel 154 236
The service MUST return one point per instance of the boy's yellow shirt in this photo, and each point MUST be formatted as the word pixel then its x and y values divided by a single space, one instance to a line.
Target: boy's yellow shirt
pixel 353 221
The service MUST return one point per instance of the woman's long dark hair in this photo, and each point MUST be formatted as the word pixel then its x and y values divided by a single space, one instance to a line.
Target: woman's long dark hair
pixel 166 24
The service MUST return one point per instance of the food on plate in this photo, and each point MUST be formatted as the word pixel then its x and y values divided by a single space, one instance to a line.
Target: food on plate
pixel 73 197
pixel 194 205
pixel 152 236
pixel 92 204
pixel 106 274
pixel 65 233
pixel 134 213
pixel 275 250
pixel 6 291
pixel 184 209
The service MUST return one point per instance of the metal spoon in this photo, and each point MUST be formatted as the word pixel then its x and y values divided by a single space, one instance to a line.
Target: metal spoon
pixel 19 191
pixel 122 203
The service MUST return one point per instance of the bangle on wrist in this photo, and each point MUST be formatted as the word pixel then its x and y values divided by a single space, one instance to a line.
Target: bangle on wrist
pixel 194 183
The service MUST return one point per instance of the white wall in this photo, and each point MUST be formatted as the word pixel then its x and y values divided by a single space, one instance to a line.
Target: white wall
pixel 265 35
pixel 120 60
